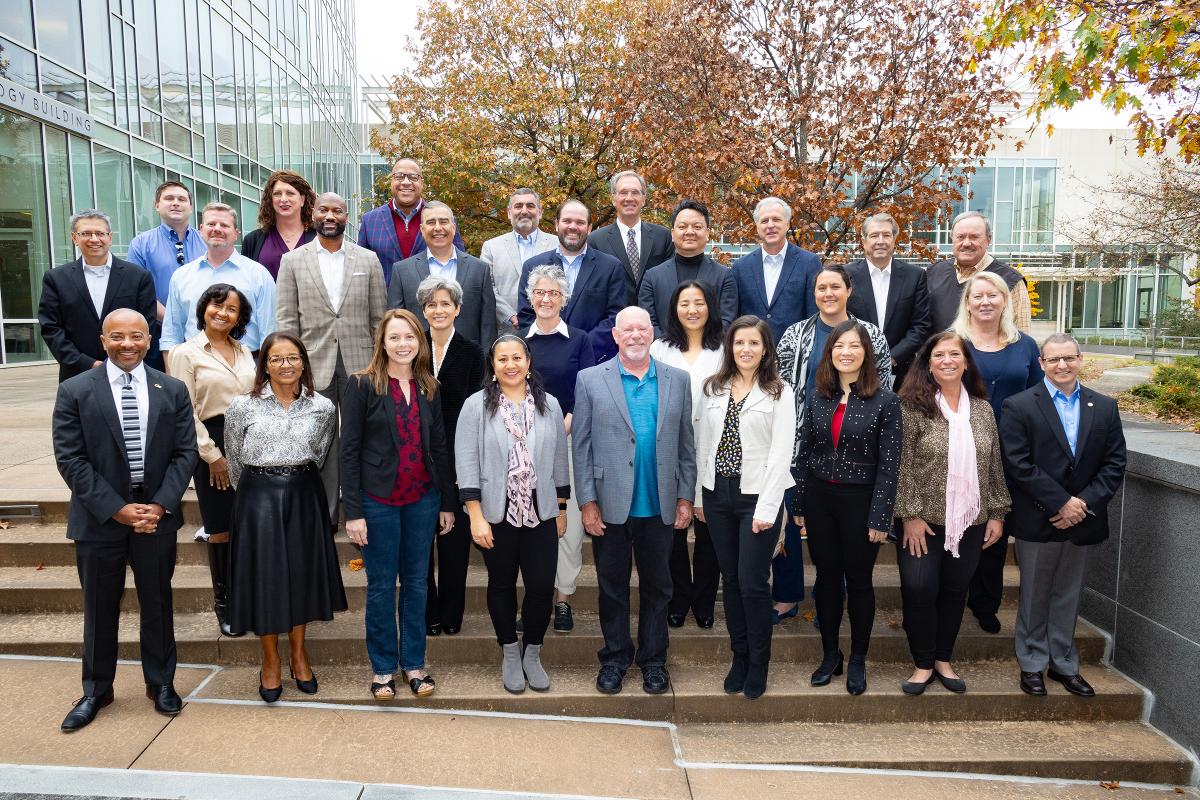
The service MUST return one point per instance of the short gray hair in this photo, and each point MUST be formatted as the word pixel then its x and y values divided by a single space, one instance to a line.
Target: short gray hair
pixel 537 198
pixel 551 273
pixel 1060 338
pixel 761 207
pixel 219 207
pixel 628 173
pixel 427 288
pixel 880 217
pixel 91 213
pixel 436 205
pixel 987 223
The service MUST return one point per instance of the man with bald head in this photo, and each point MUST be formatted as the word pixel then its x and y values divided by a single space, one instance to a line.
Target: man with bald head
pixel 393 230
pixel 635 479
pixel 125 443
pixel 331 294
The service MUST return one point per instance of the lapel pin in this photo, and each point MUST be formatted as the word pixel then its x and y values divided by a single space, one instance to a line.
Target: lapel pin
pixel 1090 405
pixel 159 386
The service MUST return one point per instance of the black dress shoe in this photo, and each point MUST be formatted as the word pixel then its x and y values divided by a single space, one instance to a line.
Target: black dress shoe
pixel 433 630
pixel 451 630
pixel 705 622
pixel 956 685
pixel 269 695
pixel 856 675
pixel 756 682
pixel 85 711
pixel 1032 683
pixel 735 681
pixel 831 665
pixel 916 687
pixel 676 620
pixel 166 699
pixel 655 680
pixel 1075 684
pixel 990 623
pixel 309 686
pixel 609 680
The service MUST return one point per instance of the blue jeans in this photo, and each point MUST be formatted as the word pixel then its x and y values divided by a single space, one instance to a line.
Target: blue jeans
pixel 398 543
pixel 787 585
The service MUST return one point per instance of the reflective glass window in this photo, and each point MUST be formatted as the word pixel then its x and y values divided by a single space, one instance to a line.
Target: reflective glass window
pixel 60 31
pixel 81 173
pixel 114 192
pixel 18 21
pixel 58 177
pixel 96 40
pixel 173 62
pixel 147 53
pixel 63 85
pixel 146 178
pixel 24 238
pixel 20 65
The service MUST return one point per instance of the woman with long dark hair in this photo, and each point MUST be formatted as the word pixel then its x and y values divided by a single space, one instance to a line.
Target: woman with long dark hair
pixel 283 568
pixel 511 454
pixel 846 469
pixel 398 488
pixel 285 215
pixel 952 497
pixel 743 457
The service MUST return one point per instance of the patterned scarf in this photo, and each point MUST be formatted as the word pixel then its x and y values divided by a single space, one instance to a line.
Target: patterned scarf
pixel 962 473
pixel 521 477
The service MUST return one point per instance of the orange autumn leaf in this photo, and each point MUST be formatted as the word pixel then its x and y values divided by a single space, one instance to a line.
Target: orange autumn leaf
pixel 355 564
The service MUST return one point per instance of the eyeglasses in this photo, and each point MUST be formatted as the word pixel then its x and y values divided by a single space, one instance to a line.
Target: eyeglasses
pixel 1068 360
pixel 279 361
pixel 553 294
pixel 92 234
pixel 413 177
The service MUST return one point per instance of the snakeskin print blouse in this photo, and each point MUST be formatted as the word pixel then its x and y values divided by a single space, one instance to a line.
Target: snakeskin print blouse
pixel 260 432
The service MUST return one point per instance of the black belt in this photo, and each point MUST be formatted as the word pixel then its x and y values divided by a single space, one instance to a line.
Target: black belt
pixel 287 470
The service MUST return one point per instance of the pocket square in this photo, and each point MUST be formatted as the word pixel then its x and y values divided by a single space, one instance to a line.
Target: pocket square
pixel 356 274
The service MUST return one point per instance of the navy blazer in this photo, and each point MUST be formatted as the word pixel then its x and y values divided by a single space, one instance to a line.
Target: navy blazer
pixel 477 316
pixel 89 449
pixel 656 248
pixel 907 319
pixel 1043 474
pixel 69 322
pixel 377 232
pixel 661 281
pixel 598 297
pixel 793 300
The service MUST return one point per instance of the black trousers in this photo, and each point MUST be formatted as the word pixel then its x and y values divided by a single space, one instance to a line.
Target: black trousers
pixel 648 540
pixel 101 566
pixel 695 577
pixel 448 589
pixel 534 553
pixel 836 518
pixel 934 592
pixel 987 585
pixel 745 560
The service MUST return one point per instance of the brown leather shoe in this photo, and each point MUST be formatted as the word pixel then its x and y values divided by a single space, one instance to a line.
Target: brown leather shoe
pixel 1075 684
pixel 1032 683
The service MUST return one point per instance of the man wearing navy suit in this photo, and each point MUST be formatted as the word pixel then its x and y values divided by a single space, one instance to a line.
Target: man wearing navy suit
pixel 775 281
pixel 597 280
pixel 637 244
pixel 125 443
pixel 1064 457
pixel 890 294
pixel 393 230
pixel 78 295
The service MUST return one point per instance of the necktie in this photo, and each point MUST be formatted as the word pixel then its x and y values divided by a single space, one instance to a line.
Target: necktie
pixel 635 260
pixel 130 429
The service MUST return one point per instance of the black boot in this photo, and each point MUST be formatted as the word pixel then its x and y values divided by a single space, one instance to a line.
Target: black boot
pixel 856 675
pixel 218 567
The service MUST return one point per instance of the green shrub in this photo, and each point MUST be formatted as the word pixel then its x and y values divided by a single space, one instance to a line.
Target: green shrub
pixel 1174 389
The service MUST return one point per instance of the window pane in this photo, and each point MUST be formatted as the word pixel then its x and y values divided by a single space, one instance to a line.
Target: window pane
pixel 173 60
pixel 983 190
pixel 18 21
pixel 60 32
pixel 226 116
pixel 114 193
pixel 147 54
pixel 24 239
pixel 103 104
pixel 99 49
pixel 1112 297
pixel 22 342
pixel 63 85
pixel 59 181
pixel 146 178
pixel 81 173
pixel 20 65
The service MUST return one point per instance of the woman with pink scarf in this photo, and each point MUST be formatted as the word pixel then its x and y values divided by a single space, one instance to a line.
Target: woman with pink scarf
pixel 951 497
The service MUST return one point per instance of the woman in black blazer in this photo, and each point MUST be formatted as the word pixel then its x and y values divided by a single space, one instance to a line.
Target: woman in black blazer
pixel 458 366
pixel 396 478
pixel 846 469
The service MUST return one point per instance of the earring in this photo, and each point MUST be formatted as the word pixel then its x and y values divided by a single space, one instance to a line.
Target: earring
pixel 528 375
pixel 493 379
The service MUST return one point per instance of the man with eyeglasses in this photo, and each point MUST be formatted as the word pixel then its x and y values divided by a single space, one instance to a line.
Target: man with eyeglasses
pixel 638 245
pixel 78 295
pixel 1064 457
pixel 393 230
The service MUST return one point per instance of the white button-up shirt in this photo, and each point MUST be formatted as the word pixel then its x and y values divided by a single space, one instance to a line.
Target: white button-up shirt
pixel 96 279
pixel 116 380
pixel 772 269
pixel 637 236
pixel 881 282
pixel 333 268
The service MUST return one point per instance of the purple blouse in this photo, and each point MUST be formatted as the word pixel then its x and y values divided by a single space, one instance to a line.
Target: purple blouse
pixel 274 248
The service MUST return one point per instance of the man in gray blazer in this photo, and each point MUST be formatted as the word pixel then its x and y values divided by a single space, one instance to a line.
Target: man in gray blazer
pixel 331 294
pixel 477 317
pixel 635 479
pixel 507 252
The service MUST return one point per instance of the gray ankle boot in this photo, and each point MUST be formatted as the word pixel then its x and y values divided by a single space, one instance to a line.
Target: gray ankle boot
pixel 514 676
pixel 539 681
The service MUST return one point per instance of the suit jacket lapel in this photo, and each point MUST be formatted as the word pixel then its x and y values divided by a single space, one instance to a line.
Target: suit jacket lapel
pixel 1046 406
pixel 348 261
pixel 612 377
pixel 76 273
pixel 758 276
pixel 896 287
pixel 115 276
pixel 389 232
pixel 664 400
pixel 310 264
pixel 156 395
pixel 389 405
pixel 587 275
pixel 866 287
pixel 1087 415
pixel 108 408
pixel 791 256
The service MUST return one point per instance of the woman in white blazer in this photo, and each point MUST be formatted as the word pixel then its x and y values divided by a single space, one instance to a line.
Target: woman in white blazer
pixel 510 451
pixel 743 457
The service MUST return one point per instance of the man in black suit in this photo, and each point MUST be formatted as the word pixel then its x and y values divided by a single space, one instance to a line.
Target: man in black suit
pixel 125 443
pixel 1064 456
pixel 690 228
pixel 636 244
pixel 890 294
pixel 596 280
pixel 77 295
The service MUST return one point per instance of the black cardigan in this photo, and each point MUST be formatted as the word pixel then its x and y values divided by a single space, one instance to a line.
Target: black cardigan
pixel 370 454
pixel 252 242
pixel 867 452
pixel 461 376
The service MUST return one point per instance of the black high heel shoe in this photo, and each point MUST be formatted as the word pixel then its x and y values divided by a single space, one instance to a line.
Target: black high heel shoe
pixel 831 665
pixel 309 686
pixel 856 675
pixel 268 695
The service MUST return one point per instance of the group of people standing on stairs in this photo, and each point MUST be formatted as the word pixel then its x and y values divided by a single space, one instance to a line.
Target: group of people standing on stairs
pixel 622 374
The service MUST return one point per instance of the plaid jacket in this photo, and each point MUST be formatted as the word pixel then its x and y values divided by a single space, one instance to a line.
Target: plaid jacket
pixel 377 232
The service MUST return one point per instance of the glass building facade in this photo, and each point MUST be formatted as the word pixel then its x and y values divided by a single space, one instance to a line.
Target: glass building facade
pixel 214 94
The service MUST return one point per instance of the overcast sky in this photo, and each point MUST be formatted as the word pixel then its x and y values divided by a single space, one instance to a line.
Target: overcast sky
pixel 383 26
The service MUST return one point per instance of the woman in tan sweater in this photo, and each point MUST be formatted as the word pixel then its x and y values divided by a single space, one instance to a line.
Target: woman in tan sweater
pixel 951 497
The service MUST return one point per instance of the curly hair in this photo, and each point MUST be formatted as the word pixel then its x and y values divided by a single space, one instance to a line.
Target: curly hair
pixel 266 209
pixel 220 292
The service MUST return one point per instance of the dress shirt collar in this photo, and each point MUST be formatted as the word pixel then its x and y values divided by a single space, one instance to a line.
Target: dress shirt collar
pixel 170 235
pixel 114 373
pixel 651 374
pixel 775 258
pixel 1058 394
pixel 416 212
pixel 571 261
pixel 450 263
pixel 341 248
pixel 983 264
pixel 625 229
pixel 876 271
pixel 525 241
pixel 100 271
pixel 235 261
pixel 561 327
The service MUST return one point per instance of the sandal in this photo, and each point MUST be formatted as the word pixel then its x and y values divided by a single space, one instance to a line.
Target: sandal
pixel 423 686
pixel 384 691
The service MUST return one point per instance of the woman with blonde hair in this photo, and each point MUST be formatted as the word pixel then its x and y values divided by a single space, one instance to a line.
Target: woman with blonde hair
pixel 397 487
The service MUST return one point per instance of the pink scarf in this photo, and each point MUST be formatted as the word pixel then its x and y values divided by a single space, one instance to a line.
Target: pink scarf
pixel 962 473
pixel 521 477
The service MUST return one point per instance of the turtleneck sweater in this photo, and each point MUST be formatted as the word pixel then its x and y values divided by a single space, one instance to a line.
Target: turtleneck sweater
pixel 687 268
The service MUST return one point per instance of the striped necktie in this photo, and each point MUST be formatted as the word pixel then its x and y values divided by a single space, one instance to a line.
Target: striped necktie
pixel 130 429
